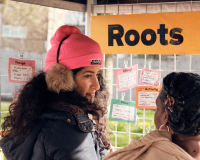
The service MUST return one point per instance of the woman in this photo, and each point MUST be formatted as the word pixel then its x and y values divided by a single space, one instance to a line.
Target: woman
pixel 177 120
pixel 50 118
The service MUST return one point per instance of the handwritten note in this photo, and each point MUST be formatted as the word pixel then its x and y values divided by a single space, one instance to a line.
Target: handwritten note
pixel 20 71
pixel 146 96
pixel 150 77
pixel 126 78
pixel 123 111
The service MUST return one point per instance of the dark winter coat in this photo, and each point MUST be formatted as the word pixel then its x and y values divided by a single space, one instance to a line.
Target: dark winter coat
pixel 57 135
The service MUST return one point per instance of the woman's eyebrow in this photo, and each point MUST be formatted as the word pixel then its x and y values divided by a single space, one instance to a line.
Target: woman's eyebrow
pixel 88 71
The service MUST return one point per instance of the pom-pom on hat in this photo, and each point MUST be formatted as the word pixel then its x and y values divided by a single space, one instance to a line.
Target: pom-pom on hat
pixel 76 51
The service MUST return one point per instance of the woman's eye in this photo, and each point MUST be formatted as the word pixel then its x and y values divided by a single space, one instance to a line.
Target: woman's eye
pixel 88 76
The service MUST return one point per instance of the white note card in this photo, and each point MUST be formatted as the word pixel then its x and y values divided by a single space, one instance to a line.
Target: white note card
pixel 150 77
pixel 127 79
pixel 20 73
pixel 147 98
pixel 123 112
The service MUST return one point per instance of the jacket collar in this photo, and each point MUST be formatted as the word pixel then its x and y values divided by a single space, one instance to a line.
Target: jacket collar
pixel 84 123
pixel 74 115
pixel 153 136
pixel 160 134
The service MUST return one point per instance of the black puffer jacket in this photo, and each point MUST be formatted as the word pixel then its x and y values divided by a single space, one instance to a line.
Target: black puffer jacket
pixel 57 135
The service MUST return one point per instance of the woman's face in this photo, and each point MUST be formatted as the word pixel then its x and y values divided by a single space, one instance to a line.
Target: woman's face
pixel 159 116
pixel 87 82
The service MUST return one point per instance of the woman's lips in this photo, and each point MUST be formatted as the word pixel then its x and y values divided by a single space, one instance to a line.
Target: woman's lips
pixel 91 94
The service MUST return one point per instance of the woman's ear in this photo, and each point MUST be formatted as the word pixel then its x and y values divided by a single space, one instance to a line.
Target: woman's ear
pixel 165 117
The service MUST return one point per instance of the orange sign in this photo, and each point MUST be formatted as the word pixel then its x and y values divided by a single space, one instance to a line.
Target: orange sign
pixel 146 97
pixel 160 33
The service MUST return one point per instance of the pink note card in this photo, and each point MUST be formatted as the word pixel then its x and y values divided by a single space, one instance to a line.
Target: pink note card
pixel 20 71
pixel 150 77
pixel 126 78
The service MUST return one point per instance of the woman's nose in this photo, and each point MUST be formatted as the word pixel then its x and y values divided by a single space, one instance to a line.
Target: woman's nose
pixel 95 84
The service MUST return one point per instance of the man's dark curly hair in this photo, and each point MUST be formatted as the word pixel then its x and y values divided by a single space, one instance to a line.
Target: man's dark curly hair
pixel 35 98
pixel 184 114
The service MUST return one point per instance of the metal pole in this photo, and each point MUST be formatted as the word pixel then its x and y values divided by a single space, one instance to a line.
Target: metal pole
pixel 145 63
pixel 132 9
pixel 104 59
pixel 0 92
pixel 131 63
pixel 146 7
pixel 87 17
pixel 190 64
pixel 104 9
pixel 41 64
pixel 175 6
pixel 92 9
pixel 174 62
pixel 116 121
pixel 118 9
pixel 161 7
pixel 160 66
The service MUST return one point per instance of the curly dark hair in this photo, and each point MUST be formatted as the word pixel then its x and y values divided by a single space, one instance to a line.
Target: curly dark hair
pixel 35 98
pixel 184 113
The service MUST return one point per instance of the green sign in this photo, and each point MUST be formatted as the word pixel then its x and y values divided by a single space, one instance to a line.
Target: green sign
pixel 123 111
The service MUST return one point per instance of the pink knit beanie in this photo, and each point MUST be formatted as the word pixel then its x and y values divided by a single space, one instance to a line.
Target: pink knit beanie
pixel 76 51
